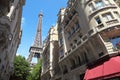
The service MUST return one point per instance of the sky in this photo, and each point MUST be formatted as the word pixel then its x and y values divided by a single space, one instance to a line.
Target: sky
pixel 31 9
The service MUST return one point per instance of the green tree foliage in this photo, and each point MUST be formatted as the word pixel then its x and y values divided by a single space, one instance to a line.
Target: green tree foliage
pixel 36 71
pixel 21 69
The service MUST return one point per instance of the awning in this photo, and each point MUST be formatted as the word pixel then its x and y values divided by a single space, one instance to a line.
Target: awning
pixel 105 70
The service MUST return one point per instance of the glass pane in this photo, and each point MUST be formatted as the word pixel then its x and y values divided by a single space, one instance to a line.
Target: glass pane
pixel 107 17
pixel 91 7
pixel 61 53
pixel 99 4
pixel 98 20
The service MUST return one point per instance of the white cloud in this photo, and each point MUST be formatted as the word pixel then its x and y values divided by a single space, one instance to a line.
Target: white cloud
pixel 22 21
pixel 17 54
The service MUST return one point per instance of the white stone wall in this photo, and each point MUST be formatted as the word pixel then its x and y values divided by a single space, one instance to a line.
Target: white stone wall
pixel 49 51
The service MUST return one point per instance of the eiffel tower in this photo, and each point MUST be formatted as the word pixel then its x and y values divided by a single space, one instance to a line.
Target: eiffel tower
pixel 36 49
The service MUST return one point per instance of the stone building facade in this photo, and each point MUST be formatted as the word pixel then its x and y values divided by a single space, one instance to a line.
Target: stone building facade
pixel 10 34
pixel 50 55
pixel 88 33
pixel 87 30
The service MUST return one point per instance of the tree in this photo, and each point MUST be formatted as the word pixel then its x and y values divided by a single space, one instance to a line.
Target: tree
pixel 21 69
pixel 36 72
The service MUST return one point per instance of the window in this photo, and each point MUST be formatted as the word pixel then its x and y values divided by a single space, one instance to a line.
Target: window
pixel 69 34
pixel 98 20
pixel 75 41
pixel 101 54
pixel 72 63
pixel 77 26
pixel 80 36
pixel 60 41
pixel 61 53
pixel 72 30
pixel 117 15
pixel 67 22
pixel 107 17
pixel 99 4
pixel 2 66
pixel 84 58
pixel 65 69
pixel 92 8
pixel 60 31
pixel 71 45
pixel 79 61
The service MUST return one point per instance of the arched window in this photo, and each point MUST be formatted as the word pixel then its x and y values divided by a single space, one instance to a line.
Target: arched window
pixel 84 58
pixel 79 61
pixel 72 64
pixel 65 69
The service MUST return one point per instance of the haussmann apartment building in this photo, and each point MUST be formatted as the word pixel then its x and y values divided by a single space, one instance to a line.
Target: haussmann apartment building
pixel 89 42
pixel 50 55
pixel 10 34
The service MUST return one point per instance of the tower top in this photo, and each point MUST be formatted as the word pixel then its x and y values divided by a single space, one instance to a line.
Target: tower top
pixel 41 14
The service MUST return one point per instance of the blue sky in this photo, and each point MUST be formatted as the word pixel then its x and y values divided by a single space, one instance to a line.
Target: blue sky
pixel 32 8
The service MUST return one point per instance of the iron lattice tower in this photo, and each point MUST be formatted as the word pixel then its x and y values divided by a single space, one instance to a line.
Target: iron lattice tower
pixel 36 49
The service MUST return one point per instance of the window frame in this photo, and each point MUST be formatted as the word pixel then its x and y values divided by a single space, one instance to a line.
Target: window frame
pixel 98 20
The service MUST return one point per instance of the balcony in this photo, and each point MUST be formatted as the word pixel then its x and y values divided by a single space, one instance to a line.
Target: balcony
pixel 90 32
pixel 79 42
pixel 74 46
pixel 62 56
pixel 75 14
pixel 71 5
pixel 99 26
pixel 112 32
pixel 114 21
pixel 69 51
pixel 74 32
pixel 108 24
pixel 84 38
pixel 104 7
